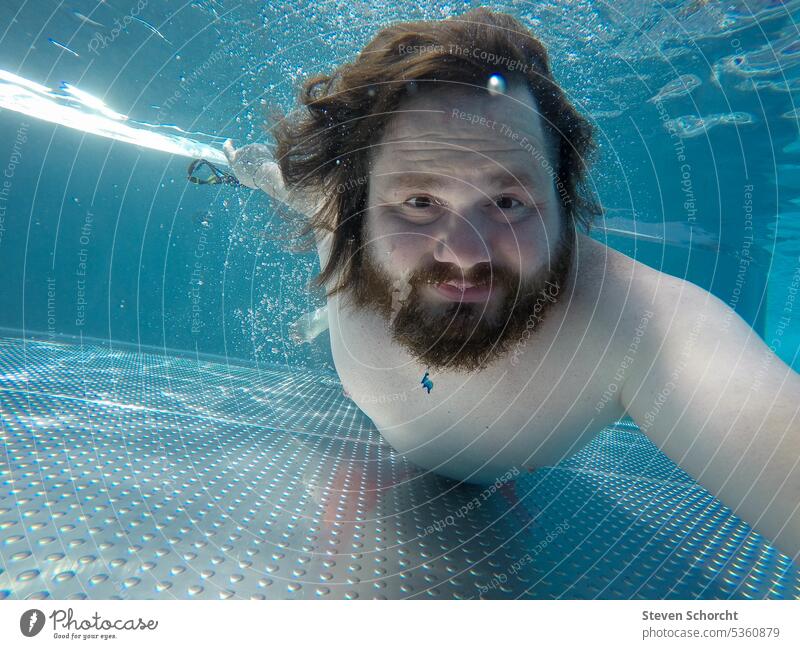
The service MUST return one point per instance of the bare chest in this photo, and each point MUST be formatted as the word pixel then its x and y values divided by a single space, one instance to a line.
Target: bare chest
pixel 535 406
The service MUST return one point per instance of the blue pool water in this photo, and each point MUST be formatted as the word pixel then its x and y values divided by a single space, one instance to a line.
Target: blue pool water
pixel 164 436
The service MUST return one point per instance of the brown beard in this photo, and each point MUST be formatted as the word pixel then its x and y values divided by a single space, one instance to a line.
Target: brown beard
pixel 462 336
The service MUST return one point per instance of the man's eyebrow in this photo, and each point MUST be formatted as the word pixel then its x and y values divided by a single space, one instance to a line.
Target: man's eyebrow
pixel 414 180
pixel 430 182
pixel 510 177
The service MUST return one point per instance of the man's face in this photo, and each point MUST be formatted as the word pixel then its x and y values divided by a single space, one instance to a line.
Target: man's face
pixel 465 245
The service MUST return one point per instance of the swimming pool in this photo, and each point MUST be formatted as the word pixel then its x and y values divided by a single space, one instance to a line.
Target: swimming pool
pixel 165 437
pixel 142 475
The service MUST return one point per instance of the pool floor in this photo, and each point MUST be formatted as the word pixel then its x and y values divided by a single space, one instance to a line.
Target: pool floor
pixel 140 475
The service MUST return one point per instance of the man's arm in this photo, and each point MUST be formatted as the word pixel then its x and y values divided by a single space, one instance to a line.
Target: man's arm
pixel 717 401
pixel 254 167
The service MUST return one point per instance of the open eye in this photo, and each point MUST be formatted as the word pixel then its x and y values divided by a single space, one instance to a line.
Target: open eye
pixel 420 202
pixel 507 202
pixel 421 209
pixel 508 209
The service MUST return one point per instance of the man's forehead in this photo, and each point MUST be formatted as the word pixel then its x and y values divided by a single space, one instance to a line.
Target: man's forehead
pixel 459 106
pixel 464 117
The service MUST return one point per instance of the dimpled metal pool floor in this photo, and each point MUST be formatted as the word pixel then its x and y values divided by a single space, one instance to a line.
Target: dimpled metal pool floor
pixel 140 475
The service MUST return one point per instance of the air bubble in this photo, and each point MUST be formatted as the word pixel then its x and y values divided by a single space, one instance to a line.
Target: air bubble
pixel 496 85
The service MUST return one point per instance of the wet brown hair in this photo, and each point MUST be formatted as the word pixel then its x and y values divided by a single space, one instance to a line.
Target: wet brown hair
pixel 324 149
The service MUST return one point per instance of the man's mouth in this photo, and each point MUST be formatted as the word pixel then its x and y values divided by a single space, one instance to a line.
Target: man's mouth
pixel 463 291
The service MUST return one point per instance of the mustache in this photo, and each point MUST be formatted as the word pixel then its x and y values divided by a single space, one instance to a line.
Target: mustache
pixel 479 275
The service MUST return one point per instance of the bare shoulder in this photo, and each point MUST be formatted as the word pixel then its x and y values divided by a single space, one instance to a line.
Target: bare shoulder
pixel 628 287
pixel 632 305
pixel 616 291
pixel 673 302
pixel 676 319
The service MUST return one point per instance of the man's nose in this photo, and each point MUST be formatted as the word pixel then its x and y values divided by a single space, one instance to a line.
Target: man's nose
pixel 462 242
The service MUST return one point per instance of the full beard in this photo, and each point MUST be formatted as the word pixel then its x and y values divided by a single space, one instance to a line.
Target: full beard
pixel 462 336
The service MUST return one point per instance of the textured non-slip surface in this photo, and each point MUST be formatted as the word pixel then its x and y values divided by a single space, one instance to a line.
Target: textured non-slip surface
pixel 140 475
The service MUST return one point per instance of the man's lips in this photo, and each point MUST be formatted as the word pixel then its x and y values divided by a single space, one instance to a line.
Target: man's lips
pixel 463 291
